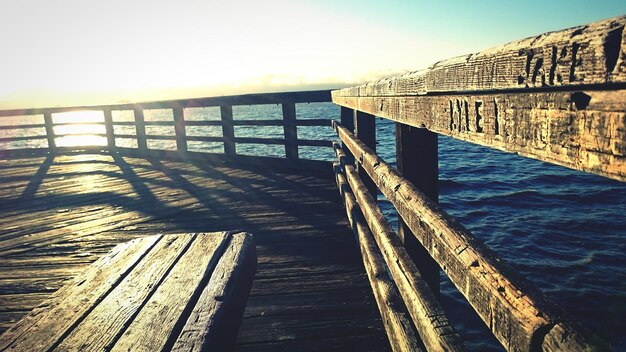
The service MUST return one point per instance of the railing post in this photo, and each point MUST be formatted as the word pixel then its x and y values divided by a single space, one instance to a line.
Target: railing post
pixel 108 125
pixel 365 130
pixel 347 121
pixel 179 128
pixel 228 130
pixel 417 160
pixel 291 131
pixel 140 126
pixel 47 117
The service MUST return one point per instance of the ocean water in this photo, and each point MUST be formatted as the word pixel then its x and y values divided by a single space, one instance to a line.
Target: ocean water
pixel 562 229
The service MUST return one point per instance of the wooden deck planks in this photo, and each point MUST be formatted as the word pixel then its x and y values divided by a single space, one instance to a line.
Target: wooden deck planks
pixel 56 320
pixel 126 299
pixel 222 300
pixel 304 246
pixel 169 300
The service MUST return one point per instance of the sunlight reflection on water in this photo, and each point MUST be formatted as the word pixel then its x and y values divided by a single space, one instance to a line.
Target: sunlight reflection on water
pixel 79 128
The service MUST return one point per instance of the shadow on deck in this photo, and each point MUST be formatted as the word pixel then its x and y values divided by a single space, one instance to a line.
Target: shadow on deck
pixel 60 213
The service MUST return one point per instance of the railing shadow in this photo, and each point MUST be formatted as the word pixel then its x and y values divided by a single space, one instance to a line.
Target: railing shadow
pixel 211 197
pixel 37 178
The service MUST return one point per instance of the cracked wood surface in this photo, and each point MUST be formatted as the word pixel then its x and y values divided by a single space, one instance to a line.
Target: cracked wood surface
pixel 60 213
pixel 429 318
pixel 584 55
pixel 517 313
pixel 558 97
pixel 402 336
pixel 150 286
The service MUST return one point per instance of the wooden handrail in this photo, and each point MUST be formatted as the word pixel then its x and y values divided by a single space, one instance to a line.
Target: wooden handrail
pixel 18 127
pixel 559 97
pixel 47 117
pixel 314 96
pixel 428 316
pixel 179 127
pixel 517 313
pixel 289 122
pixel 110 130
pixel 228 129
pixel 396 320
pixel 576 58
pixel 21 138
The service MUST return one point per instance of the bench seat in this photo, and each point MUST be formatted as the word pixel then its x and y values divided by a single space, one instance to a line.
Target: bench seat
pixel 167 292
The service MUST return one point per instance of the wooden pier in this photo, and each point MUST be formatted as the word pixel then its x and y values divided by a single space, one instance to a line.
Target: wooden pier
pixel 62 212
pixel 557 97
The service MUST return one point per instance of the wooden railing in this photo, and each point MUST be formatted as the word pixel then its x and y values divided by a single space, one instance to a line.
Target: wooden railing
pixel 559 97
pixel 47 125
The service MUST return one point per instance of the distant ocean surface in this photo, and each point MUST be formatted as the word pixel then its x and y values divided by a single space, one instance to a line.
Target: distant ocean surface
pixel 562 229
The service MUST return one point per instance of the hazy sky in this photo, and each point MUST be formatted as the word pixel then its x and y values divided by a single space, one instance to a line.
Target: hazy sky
pixel 67 52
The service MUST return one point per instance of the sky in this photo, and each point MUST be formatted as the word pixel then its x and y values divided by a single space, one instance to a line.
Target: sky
pixel 69 52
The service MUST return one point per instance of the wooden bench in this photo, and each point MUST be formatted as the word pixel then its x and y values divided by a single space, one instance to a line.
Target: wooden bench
pixel 167 292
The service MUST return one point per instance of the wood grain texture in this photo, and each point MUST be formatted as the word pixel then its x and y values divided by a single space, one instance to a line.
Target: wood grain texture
pixel 49 131
pixel 583 55
pixel 515 311
pixel 400 331
pixel 316 96
pixel 214 322
pixel 311 291
pixel 290 131
pixel 428 316
pixel 101 327
pixel 583 130
pixel 228 130
pixel 179 128
pixel 365 130
pixel 108 125
pixel 417 159
pixel 140 128
pixel 205 275
pixel 156 323
pixel 558 97
pixel 51 321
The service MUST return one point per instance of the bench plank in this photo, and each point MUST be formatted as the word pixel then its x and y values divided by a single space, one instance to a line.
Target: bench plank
pixel 177 293
pixel 148 295
pixel 107 320
pixel 222 300
pixel 52 319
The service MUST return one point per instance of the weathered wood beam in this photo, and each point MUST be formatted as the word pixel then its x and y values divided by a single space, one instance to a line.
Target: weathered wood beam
pixel 47 116
pixel 314 96
pixel 347 120
pixel 24 138
pixel 559 97
pixel 417 159
pixel 179 128
pixel 228 130
pixel 583 130
pixel 290 131
pixel 516 312
pixel 108 125
pixel 584 55
pixel 52 321
pixel 365 130
pixel 140 127
pixel 395 319
pixel 17 127
pixel 222 301
pixel 272 122
pixel 428 316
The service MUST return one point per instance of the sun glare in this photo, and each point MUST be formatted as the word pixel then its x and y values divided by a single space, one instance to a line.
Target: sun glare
pixel 79 128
